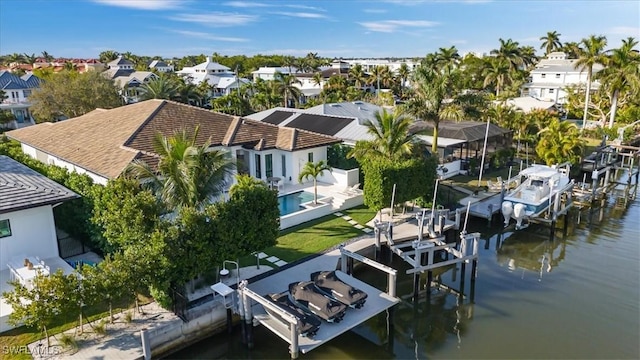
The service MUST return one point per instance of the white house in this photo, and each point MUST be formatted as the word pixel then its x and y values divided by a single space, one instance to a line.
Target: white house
pixel 124 74
pixel 27 227
pixel 17 90
pixel 552 75
pixel 394 65
pixel 160 66
pixel 269 72
pixel 260 149
pixel 213 73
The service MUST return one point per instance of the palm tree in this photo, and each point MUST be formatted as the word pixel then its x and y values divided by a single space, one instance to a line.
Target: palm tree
pixel 69 66
pixel 528 54
pixel 15 58
pixel 356 73
pixel 403 73
pixel 29 59
pixel 622 73
pixel 285 88
pixel 317 79
pixel 314 170
pixel 510 51
pixel 551 42
pixel 188 93
pixel 559 142
pixel 108 55
pixel 160 88
pixel 572 49
pixel 432 86
pixel 188 174
pixel 590 54
pixel 496 73
pixel 391 137
pixel 48 57
pixel 447 57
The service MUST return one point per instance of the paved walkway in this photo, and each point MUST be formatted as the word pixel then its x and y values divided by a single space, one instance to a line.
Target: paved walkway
pixel 121 341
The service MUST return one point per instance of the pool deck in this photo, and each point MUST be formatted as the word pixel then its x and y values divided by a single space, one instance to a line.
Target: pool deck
pixel 377 301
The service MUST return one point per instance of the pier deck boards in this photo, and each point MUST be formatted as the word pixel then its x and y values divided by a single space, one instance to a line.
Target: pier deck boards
pixel 377 301
pixel 480 208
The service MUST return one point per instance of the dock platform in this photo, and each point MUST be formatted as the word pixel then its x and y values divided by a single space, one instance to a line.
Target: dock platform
pixel 484 206
pixel 377 301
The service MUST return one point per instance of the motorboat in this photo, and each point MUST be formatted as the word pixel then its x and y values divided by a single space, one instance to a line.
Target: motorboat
pixel 306 295
pixel 308 322
pixel 330 285
pixel 537 192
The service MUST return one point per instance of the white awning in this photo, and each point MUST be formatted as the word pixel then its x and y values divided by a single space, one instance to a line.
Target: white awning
pixel 442 141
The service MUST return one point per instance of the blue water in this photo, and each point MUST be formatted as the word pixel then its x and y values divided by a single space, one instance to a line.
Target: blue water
pixel 290 203
pixel 574 296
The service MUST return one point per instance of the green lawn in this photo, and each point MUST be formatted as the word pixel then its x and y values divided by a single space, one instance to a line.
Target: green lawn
pixel 318 235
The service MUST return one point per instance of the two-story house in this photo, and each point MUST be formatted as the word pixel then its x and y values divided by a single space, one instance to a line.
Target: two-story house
pixel 220 78
pixel 17 90
pixel 124 74
pixel 552 75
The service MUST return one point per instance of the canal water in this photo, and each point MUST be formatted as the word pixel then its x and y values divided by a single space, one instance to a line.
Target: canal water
pixel 576 296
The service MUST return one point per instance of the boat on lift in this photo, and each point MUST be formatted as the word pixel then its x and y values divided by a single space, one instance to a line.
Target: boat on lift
pixel 539 190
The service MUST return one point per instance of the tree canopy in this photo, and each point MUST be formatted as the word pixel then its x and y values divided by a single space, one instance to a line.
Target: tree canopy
pixel 69 94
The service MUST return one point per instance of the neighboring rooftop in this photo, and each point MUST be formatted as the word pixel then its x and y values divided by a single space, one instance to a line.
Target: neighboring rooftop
pixel 131 130
pixel 10 81
pixel 461 130
pixel 23 188
pixel 528 103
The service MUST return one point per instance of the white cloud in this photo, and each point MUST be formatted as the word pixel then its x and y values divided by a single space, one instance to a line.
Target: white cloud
pixel 207 36
pixel 390 26
pixel 305 15
pixel 375 11
pixel 245 4
pixel 305 7
pixel 625 31
pixel 143 4
pixel 216 19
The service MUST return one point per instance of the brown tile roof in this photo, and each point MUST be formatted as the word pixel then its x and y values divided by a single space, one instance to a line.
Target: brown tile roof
pixel 106 141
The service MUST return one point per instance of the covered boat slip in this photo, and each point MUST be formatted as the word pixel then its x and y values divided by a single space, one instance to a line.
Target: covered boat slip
pixel 377 301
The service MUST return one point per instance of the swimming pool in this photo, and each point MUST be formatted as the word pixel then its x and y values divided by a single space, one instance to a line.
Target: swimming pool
pixel 291 203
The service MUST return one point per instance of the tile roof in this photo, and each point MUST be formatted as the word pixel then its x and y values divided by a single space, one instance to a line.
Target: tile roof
pixel 23 188
pixel 130 131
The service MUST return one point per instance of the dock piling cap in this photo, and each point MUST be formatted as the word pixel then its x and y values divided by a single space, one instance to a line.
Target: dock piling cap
pixel 221 289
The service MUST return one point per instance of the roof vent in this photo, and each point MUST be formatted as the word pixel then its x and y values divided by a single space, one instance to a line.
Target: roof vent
pixel 357 102
pixel 334 105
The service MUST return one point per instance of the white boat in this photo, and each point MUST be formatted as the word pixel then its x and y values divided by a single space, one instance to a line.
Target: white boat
pixel 538 191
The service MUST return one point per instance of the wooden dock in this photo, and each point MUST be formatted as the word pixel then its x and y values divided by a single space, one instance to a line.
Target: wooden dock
pixel 484 205
pixel 377 301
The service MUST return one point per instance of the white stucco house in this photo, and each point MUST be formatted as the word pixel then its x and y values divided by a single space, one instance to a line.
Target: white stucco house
pixel 219 77
pixel 552 75
pixel 27 227
pixel 17 89
pixel 260 149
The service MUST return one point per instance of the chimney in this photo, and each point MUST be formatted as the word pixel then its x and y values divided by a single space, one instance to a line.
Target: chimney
pixel 208 58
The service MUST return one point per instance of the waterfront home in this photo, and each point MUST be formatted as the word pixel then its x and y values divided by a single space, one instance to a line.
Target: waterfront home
pixel 103 142
pixel 17 89
pixel 552 75
pixel 528 103
pixel 27 228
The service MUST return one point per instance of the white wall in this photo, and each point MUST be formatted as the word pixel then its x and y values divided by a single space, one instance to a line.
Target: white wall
pixel 341 177
pixel 300 158
pixel 32 234
pixel 52 160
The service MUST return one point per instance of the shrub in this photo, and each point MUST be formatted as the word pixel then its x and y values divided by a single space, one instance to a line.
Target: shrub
pixel 68 342
pixel 101 327
pixel 128 317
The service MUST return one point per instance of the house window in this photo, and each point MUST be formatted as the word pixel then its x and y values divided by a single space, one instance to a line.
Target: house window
pixel 268 159
pixel 310 157
pixel 551 91
pixel 26 93
pixel 258 169
pixel 557 76
pixel 284 166
pixel 5 228
pixel 544 76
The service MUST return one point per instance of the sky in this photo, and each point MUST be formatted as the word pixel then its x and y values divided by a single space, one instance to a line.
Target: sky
pixel 330 28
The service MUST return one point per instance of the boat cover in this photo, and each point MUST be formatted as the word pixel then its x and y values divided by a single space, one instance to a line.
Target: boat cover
pixel 307 294
pixel 309 323
pixel 329 284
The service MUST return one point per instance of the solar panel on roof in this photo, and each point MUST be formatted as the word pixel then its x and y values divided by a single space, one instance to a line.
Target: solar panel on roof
pixel 277 117
pixel 327 125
